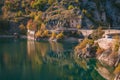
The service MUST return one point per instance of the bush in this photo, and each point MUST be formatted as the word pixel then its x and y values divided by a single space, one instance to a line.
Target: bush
pixel 70 7
pixel 83 43
pixel 84 11
pixel 53 36
pixel 38 34
pixel 96 34
pixel 45 33
pixel 117 69
pixel 60 36
pixel 116 43
pixel 19 13
pixel 22 29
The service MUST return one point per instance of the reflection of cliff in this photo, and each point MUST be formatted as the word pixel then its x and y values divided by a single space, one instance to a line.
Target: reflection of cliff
pixel 105 71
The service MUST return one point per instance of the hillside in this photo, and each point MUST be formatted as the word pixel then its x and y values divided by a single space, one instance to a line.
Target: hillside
pixel 85 14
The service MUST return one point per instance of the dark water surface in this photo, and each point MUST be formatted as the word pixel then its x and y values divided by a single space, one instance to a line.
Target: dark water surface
pixel 29 60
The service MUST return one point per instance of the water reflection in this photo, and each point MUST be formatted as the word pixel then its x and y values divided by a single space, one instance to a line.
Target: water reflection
pixel 29 60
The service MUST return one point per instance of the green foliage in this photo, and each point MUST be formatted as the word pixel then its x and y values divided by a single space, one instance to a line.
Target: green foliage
pixel 84 11
pixel 71 7
pixel 19 13
pixel 39 4
pixel 79 26
pixel 51 1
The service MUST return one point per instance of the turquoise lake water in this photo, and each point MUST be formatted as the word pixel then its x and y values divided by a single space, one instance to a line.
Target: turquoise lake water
pixel 28 60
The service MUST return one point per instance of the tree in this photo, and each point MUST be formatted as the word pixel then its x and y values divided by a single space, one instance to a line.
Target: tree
pixel 22 29
pixel 84 11
pixel 79 26
pixel 53 36
pixel 45 33
pixel 43 27
pixel 38 34
pixel 29 24
pixel 70 7
pixel 60 36
pixel 117 69
pixel 96 34
pixel 51 1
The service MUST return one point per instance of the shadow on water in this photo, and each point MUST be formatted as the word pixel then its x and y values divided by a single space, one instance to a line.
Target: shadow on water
pixel 29 60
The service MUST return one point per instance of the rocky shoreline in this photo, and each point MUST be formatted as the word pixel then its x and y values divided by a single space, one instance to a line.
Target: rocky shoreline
pixel 110 57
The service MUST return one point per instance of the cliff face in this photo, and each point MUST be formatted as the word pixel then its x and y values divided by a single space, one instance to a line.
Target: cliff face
pixel 102 12
pixel 93 13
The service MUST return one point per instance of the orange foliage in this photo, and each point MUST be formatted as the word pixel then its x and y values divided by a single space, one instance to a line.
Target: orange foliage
pixel 53 36
pixel 60 36
pixel 117 69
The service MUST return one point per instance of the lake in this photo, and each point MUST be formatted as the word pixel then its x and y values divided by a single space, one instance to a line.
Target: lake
pixel 28 60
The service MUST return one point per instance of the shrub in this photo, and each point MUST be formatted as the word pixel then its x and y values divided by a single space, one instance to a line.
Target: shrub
pixel 38 34
pixel 19 13
pixel 43 27
pixel 96 34
pixel 45 33
pixel 117 69
pixel 70 7
pixel 60 36
pixel 84 42
pixel 51 1
pixel 22 29
pixel 84 11
pixel 79 26
pixel 116 43
pixel 53 36
pixel 32 14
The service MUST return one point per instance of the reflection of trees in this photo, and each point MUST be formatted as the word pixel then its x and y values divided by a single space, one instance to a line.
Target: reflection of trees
pixel 33 54
pixel 82 63
pixel 56 47
pixel 42 48
pixel 88 65
pixel 12 54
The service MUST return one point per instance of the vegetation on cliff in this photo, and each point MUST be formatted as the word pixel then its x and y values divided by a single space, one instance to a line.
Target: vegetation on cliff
pixel 93 13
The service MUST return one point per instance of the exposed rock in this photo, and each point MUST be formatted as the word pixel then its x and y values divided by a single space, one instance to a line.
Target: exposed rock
pixel 117 77
pixel 105 73
pixel 87 52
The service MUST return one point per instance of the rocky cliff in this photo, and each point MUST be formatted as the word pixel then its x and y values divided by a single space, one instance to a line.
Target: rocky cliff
pixel 93 13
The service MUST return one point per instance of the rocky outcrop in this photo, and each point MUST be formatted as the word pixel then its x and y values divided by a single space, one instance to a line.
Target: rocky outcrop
pixel 102 12
pixel 117 77
pixel 87 52
pixel 105 73
pixel 110 57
